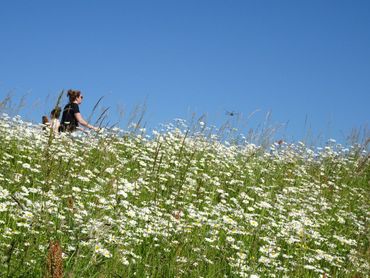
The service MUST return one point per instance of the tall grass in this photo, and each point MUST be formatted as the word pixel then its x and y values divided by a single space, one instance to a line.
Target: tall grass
pixel 179 203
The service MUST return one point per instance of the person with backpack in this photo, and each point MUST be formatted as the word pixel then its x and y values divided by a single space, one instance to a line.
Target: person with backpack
pixel 71 117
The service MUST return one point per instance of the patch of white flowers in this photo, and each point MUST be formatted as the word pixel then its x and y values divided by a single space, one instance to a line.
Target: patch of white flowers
pixel 177 205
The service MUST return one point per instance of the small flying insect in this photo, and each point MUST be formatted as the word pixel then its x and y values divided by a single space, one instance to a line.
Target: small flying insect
pixel 231 113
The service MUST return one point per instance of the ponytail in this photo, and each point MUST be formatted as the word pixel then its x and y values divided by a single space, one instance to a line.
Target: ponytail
pixel 73 95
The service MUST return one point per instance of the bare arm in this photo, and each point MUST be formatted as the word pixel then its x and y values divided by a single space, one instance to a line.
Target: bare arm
pixel 83 122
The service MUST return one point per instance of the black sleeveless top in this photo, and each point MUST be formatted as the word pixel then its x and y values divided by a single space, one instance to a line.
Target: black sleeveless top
pixel 69 121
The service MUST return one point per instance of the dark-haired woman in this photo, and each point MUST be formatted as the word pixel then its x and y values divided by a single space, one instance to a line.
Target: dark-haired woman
pixel 71 117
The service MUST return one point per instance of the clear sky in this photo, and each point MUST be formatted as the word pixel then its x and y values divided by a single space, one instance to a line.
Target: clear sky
pixel 308 62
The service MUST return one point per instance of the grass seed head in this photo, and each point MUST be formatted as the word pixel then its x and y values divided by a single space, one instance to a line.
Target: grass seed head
pixel 54 260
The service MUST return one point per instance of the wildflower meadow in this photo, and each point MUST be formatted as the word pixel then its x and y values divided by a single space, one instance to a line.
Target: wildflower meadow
pixel 179 202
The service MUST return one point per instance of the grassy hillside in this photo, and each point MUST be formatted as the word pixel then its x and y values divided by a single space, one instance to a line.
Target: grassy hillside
pixel 179 204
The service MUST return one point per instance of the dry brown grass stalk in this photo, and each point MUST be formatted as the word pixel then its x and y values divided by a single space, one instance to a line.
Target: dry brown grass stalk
pixel 54 260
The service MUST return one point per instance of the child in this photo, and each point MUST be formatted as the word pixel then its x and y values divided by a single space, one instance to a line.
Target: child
pixel 55 123
pixel 45 122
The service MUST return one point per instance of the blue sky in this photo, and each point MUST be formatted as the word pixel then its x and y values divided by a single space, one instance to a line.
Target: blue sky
pixel 308 62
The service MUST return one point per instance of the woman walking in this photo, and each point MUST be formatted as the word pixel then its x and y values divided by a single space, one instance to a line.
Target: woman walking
pixel 71 117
